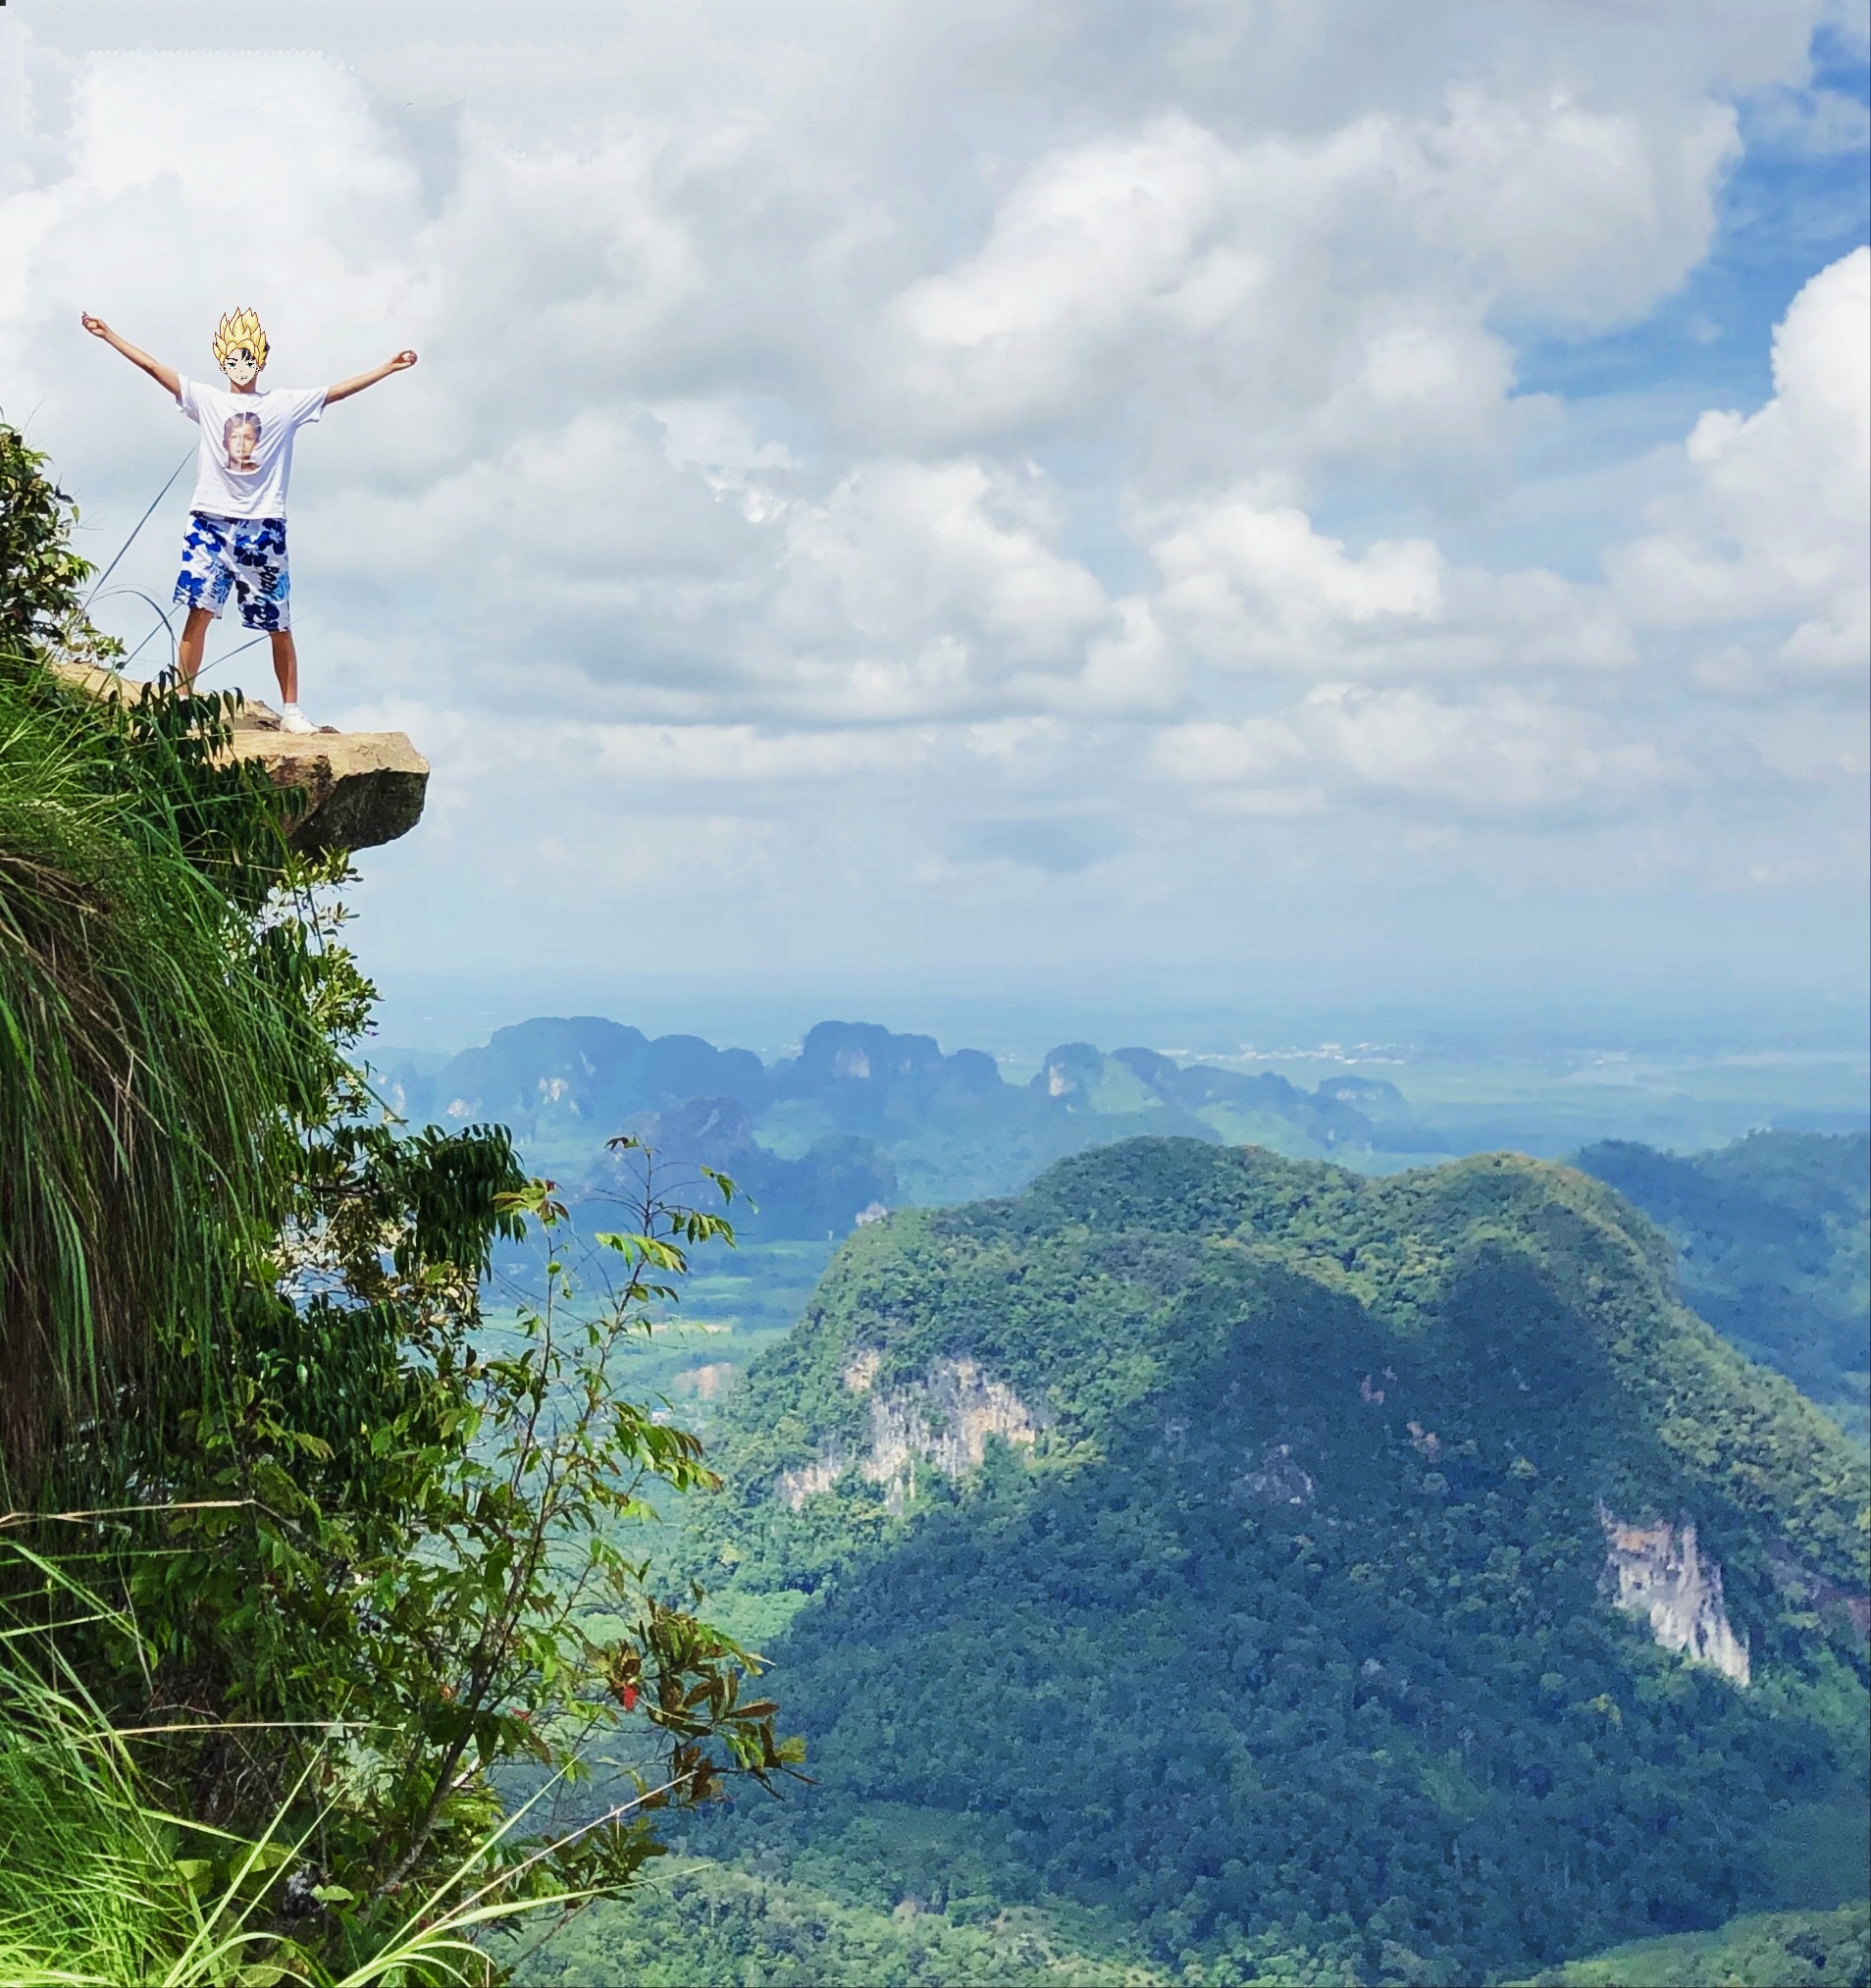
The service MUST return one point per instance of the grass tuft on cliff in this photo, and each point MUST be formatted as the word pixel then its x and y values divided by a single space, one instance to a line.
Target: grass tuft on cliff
pixel 144 1062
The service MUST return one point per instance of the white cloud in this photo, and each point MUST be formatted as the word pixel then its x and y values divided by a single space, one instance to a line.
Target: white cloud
pixel 1587 213
pixel 739 755
pixel 902 453
pixel 1255 752
pixel 1092 241
pixel 1499 753
pixel 1251 583
pixel 933 550
pixel 1774 513
pixel 1337 289
pixel 1502 753
pixel 908 590
pixel 1249 580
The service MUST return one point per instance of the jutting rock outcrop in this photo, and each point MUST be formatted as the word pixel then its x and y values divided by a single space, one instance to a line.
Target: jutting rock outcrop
pixel 359 789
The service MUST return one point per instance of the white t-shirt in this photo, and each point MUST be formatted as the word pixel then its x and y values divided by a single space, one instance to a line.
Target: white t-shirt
pixel 245 461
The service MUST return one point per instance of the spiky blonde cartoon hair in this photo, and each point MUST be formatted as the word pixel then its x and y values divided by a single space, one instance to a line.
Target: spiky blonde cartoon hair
pixel 235 330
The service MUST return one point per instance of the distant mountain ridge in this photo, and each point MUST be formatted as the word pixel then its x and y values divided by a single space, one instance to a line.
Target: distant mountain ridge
pixel 557 1073
pixel 938 1127
pixel 581 1072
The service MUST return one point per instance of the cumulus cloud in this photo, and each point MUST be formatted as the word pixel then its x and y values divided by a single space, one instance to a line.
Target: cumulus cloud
pixel 936 552
pixel 999 458
pixel 1502 754
pixel 1252 583
pixel 1774 513
pixel 734 756
pixel 1093 243
pixel 1250 580
pixel 1336 289
pixel 908 589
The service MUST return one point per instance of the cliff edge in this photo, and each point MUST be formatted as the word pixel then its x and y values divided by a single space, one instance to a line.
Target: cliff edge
pixel 360 788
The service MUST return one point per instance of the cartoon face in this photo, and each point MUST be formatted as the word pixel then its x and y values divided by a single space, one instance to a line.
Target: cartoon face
pixel 240 367
pixel 241 438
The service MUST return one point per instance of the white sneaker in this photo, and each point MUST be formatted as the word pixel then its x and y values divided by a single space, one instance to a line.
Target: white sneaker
pixel 292 719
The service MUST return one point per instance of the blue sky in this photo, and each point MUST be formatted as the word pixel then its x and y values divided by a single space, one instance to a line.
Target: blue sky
pixel 1232 495
pixel 1786 208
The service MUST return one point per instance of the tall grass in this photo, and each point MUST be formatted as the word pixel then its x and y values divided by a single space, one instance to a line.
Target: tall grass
pixel 100 1888
pixel 91 1889
pixel 144 1062
pixel 169 1023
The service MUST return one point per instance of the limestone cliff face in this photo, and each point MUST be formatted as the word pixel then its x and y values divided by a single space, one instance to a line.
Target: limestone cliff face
pixel 1657 1571
pixel 943 1421
pixel 1277 1480
pixel 795 1486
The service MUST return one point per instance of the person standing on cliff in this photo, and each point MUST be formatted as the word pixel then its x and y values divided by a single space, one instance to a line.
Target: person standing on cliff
pixel 236 541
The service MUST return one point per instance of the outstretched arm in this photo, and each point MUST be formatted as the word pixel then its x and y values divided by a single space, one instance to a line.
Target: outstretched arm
pixel 345 389
pixel 165 377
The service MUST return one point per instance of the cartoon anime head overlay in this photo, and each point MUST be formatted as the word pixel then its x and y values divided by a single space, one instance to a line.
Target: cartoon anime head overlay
pixel 240 437
pixel 240 345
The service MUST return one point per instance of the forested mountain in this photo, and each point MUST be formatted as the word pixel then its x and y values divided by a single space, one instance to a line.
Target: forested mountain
pixel 1772 1236
pixel 1256 1569
pixel 1773 1233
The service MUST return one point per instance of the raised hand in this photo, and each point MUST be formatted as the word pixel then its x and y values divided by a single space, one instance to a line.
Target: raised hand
pixel 166 377
pixel 345 389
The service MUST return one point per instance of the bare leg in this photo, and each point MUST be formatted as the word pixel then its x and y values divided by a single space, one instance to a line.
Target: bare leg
pixel 286 664
pixel 194 638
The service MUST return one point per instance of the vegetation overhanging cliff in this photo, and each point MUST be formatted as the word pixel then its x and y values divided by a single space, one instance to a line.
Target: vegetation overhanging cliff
pixel 291 1567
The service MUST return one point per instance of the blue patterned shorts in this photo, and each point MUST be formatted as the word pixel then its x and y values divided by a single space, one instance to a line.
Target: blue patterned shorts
pixel 243 556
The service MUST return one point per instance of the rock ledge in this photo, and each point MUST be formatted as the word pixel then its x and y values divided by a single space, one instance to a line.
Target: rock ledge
pixel 360 788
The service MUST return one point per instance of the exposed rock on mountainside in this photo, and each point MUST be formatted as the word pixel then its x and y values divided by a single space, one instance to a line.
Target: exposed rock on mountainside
pixel 1278 1480
pixel 943 1420
pixel 1655 1571
pixel 360 788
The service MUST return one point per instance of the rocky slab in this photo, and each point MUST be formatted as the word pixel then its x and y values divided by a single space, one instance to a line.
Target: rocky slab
pixel 359 789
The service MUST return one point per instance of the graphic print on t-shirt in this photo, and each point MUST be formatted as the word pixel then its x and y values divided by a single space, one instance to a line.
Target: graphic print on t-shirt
pixel 240 437
pixel 244 463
